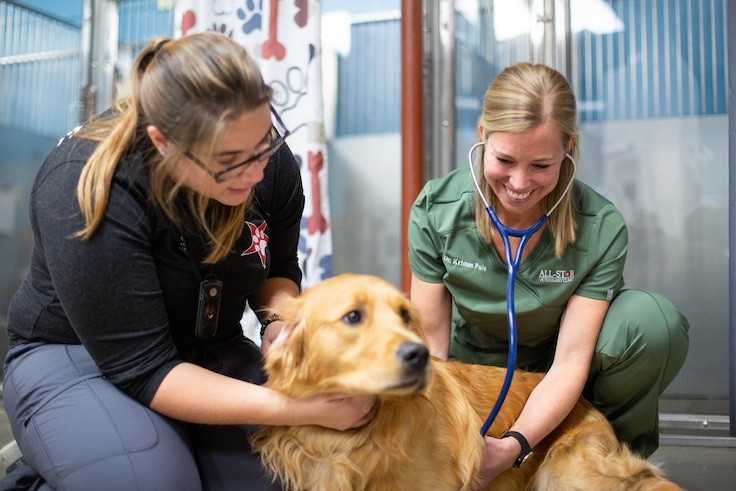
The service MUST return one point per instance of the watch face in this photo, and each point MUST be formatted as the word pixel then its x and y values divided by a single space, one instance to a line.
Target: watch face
pixel 522 461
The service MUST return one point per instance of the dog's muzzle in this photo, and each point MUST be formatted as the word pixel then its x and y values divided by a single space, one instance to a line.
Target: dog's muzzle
pixel 414 357
pixel 414 361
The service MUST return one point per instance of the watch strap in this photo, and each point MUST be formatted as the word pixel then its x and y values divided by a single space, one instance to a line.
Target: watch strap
pixel 526 449
pixel 271 318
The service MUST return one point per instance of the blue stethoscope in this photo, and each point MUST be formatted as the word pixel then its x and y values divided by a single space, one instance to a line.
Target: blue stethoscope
pixel 512 265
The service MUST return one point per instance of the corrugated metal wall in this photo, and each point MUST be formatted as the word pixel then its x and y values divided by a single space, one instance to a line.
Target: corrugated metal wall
pixel 39 71
pixel 141 20
pixel 369 80
pixel 39 91
pixel 40 62
pixel 670 59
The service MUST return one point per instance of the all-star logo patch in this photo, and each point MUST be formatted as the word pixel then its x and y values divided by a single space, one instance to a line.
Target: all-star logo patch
pixel 556 276
pixel 259 242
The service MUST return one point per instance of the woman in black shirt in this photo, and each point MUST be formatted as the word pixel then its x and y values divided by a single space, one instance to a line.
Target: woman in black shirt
pixel 119 375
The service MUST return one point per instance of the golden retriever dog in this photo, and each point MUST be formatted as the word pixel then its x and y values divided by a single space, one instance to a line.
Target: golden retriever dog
pixel 359 335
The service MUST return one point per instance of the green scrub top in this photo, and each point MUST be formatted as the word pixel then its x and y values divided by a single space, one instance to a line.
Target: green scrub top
pixel 446 247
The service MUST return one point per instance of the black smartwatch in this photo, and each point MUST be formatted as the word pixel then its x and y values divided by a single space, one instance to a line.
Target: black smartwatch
pixel 526 450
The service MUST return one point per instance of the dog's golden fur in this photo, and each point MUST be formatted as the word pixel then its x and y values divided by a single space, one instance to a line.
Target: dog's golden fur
pixel 350 334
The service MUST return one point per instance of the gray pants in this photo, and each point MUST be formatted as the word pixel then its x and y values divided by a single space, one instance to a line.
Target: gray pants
pixel 78 431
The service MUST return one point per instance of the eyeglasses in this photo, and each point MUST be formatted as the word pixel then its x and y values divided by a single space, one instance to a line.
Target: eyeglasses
pixel 221 176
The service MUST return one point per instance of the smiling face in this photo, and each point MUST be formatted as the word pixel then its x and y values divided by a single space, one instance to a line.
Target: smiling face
pixel 244 136
pixel 521 169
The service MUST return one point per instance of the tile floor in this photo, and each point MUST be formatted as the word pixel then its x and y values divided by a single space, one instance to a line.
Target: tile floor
pixel 698 468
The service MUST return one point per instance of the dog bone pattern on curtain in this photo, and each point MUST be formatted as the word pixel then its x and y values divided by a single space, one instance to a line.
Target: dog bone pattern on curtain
pixel 284 36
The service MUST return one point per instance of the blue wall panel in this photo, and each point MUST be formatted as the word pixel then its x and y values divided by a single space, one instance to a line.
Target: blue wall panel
pixel 668 60
pixel 369 80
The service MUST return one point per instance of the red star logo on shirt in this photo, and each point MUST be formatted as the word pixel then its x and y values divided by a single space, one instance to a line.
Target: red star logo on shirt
pixel 259 242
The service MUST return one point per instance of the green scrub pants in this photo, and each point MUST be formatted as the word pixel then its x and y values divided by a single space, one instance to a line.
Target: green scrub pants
pixel 641 347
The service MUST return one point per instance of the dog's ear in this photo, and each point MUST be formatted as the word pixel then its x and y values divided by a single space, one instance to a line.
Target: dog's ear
pixel 285 358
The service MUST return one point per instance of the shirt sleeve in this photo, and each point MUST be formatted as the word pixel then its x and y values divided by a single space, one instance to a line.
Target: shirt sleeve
pixel 610 243
pixel 425 246
pixel 282 198
pixel 106 287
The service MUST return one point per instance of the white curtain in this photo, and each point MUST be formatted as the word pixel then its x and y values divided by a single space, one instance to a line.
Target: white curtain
pixel 284 37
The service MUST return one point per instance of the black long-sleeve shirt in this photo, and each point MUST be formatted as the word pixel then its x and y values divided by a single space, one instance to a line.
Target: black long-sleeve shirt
pixel 129 294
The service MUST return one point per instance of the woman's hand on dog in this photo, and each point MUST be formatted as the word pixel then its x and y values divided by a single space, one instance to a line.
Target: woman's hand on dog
pixel 499 456
pixel 339 411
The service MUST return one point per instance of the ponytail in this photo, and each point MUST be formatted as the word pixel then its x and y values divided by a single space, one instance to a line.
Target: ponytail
pixel 116 135
pixel 190 89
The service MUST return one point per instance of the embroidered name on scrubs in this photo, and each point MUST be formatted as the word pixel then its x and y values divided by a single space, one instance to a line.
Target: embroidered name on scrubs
pixel 259 241
pixel 556 276
pixel 463 263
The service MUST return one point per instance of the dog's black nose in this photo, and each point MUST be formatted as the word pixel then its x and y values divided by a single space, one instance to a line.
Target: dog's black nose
pixel 413 355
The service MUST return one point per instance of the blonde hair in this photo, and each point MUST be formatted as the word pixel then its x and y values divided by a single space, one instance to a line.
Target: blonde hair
pixel 520 98
pixel 190 89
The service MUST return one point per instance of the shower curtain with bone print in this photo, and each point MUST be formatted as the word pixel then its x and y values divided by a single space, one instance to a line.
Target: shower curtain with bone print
pixel 284 37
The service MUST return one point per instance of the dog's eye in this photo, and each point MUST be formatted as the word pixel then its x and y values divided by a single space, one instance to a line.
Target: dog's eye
pixel 405 316
pixel 353 317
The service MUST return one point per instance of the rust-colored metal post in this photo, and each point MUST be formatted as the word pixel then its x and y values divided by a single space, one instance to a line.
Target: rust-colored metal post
pixel 412 121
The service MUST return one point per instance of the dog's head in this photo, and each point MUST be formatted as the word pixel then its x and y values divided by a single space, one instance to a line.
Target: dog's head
pixel 351 333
